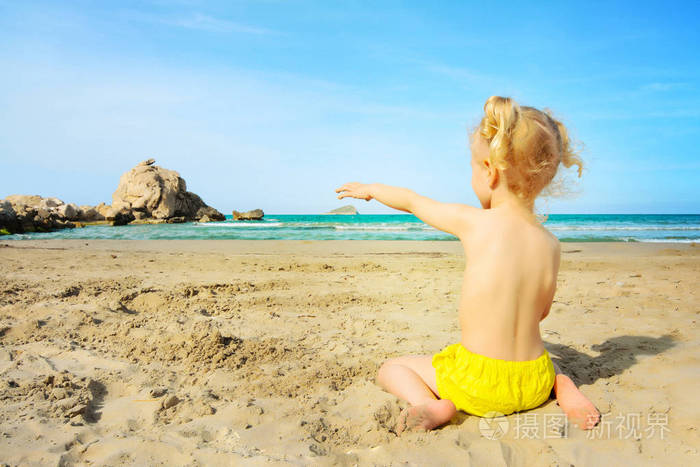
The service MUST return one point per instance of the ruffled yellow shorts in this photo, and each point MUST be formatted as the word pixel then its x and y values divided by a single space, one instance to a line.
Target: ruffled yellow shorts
pixel 478 384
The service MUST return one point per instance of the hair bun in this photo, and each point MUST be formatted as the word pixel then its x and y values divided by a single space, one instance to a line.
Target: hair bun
pixel 501 116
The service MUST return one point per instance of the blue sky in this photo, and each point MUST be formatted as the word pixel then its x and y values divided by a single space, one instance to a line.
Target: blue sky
pixel 273 104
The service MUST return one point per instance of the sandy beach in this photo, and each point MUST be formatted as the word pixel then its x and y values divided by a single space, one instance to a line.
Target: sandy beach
pixel 265 352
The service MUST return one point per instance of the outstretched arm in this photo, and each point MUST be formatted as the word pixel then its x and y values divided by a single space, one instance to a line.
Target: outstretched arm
pixel 452 218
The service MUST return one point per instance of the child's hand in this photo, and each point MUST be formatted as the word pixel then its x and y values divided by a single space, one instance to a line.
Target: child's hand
pixel 355 190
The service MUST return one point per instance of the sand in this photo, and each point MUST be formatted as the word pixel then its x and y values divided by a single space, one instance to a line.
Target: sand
pixel 265 352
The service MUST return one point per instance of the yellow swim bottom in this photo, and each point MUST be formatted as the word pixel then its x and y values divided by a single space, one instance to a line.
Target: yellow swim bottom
pixel 478 384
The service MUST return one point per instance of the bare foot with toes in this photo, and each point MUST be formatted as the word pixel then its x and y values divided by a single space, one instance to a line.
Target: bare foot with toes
pixel 578 409
pixel 425 417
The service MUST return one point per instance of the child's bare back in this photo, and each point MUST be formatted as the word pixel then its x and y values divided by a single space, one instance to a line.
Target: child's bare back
pixel 508 287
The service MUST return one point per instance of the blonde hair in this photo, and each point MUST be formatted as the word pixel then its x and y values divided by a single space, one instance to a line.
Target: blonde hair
pixel 527 144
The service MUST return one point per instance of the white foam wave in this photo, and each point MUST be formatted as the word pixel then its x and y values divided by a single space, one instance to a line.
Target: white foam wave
pixel 259 225
pixel 612 227
pixel 667 240
pixel 366 227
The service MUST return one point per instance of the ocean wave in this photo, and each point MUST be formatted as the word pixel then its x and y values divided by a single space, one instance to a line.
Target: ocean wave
pixel 260 225
pixel 589 238
pixel 625 228
pixel 669 240
pixel 377 227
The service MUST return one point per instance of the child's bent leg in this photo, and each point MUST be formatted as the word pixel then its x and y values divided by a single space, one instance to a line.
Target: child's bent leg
pixel 412 379
pixel 575 405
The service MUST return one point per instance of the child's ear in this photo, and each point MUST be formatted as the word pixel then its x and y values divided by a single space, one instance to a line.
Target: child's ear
pixel 492 174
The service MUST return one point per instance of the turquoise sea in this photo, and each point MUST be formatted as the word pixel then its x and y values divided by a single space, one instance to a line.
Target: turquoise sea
pixel 567 227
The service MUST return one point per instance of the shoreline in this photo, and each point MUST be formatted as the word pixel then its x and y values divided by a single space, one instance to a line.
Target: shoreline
pixel 271 247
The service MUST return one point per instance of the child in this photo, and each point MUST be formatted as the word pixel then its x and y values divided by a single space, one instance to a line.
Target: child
pixel 509 282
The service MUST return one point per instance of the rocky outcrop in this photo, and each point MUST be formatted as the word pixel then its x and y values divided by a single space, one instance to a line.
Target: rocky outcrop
pixel 69 211
pixel 8 218
pixel 348 210
pixel 89 214
pixel 147 193
pixel 32 213
pixel 122 217
pixel 255 214
pixel 103 209
pixel 152 192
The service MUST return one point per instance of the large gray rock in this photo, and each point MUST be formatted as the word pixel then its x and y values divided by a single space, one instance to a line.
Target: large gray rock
pixel 90 214
pixel 209 212
pixel 51 203
pixel 255 214
pixel 159 194
pixel 69 211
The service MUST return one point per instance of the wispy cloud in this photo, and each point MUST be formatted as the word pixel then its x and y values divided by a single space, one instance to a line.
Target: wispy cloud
pixel 627 74
pixel 459 73
pixel 209 23
pixel 200 22
pixel 661 87
pixel 663 114
pixel 645 166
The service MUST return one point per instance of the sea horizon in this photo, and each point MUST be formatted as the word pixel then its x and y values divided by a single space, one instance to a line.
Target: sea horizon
pixel 665 228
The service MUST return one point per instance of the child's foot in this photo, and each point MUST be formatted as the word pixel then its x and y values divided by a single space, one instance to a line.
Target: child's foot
pixel 578 409
pixel 426 416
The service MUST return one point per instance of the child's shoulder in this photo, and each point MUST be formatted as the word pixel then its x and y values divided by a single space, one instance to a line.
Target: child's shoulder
pixel 548 245
pixel 519 229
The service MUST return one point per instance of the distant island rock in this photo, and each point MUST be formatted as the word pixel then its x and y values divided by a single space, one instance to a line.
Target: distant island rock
pixel 149 192
pixel 346 210
pixel 255 214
